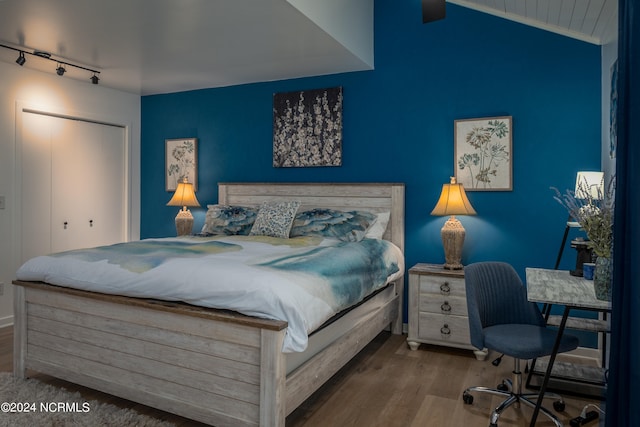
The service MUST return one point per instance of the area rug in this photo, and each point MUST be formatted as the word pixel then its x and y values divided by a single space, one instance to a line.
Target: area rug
pixel 32 403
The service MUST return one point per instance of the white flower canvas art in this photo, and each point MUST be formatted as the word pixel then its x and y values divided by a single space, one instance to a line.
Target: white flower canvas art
pixel 307 128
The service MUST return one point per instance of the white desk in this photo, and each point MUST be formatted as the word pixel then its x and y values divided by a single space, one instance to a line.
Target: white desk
pixel 558 287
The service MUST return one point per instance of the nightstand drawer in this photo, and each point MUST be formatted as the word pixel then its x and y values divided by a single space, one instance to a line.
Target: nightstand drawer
pixel 435 327
pixel 440 304
pixel 445 286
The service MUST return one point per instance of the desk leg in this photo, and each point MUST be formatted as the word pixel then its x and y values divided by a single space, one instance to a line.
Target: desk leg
pixel 552 359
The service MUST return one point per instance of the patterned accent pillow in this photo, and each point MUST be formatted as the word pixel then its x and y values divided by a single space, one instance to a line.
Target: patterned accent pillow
pixel 346 226
pixel 229 220
pixel 275 219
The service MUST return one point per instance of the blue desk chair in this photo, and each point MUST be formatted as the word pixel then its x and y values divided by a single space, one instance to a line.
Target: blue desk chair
pixel 502 319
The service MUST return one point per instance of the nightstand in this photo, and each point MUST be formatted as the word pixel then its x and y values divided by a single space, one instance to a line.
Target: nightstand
pixel 438 308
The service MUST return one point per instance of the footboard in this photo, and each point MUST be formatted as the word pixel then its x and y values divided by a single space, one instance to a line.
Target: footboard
pixel 216 367
pixel 305 380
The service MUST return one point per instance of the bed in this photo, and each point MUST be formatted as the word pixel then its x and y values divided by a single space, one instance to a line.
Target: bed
pixel 219 367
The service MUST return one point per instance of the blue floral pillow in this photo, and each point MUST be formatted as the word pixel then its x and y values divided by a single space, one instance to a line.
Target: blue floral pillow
pixel 346 226
pixel 229 220
pixel 275 219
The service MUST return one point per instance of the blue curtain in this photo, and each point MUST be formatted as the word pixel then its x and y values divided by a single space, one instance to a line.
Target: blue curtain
pixel 622 408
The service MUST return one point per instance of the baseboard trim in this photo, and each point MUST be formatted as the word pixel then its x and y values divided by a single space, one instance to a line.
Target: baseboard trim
pixel 6 321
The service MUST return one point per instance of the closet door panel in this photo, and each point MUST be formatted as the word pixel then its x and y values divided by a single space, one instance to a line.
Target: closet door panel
pixel 72 154
pixel 108 209
pixel 36 184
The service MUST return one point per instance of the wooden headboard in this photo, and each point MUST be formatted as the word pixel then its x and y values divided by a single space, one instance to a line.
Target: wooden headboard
pixel 373 197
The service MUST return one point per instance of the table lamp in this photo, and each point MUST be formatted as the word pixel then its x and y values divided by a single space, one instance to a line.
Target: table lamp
pixel 185 197
pixel 590 186
pixel 453 201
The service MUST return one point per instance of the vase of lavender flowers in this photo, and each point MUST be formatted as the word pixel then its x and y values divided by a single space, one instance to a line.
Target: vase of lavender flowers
pixel 594 213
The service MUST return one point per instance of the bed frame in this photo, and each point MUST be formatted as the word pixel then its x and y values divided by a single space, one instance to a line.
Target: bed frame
pixel 217 367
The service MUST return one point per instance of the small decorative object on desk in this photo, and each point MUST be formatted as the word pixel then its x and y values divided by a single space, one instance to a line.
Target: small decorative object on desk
pixel 588 270
pixel 591 205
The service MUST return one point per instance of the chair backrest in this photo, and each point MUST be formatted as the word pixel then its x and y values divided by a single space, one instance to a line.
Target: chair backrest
pixel 496 296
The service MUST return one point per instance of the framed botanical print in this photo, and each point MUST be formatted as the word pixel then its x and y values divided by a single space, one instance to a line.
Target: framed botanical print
pixel 181 162
pixel 483 154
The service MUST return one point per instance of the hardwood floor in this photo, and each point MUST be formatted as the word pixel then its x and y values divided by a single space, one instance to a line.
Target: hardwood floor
pixel 384 385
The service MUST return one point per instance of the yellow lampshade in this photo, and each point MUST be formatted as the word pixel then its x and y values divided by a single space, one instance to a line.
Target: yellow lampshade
pixel 184 195
pixel 453 201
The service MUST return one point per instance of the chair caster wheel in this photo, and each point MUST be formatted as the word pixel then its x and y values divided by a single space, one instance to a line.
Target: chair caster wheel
pixel 467 398
pixel 503 387
pixel 559 406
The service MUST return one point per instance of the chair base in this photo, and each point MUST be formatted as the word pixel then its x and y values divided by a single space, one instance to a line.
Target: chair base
pixel 515 398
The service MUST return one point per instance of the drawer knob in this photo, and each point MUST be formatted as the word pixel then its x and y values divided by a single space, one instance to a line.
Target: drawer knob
pixel 446 307
pixel 445 330
pixel 445 289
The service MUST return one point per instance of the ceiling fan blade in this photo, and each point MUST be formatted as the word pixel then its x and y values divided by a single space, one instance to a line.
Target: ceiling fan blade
pixel 433 10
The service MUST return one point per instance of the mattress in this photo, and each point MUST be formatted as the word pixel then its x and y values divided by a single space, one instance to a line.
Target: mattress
pixel 303 280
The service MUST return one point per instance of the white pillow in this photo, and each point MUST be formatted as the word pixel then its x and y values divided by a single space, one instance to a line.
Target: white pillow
pixel 376 231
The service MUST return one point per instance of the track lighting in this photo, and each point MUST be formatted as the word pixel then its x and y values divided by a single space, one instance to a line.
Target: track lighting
pixel 60 70
pixel 21 59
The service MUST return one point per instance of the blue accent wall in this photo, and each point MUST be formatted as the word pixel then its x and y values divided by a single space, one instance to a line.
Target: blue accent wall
pixel 399 127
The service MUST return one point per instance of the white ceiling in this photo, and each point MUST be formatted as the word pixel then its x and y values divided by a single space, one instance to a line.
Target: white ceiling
pixel 161 46
pixel 593 21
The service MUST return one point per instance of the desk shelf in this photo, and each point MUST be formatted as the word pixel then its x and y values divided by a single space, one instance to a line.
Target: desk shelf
pixel 570 378
pixel 580 324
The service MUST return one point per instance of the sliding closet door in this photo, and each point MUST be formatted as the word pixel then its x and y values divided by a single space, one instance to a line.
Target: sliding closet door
pixel 87 186
pixel 110 206
pixel 73 184
pixel 36 183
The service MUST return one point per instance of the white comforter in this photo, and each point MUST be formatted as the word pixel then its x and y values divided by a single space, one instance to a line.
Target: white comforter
pixel 303 281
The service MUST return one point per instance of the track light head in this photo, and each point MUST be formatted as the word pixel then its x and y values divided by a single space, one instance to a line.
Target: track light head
pixel 94 79
pixel 21 59
pixel 60 70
